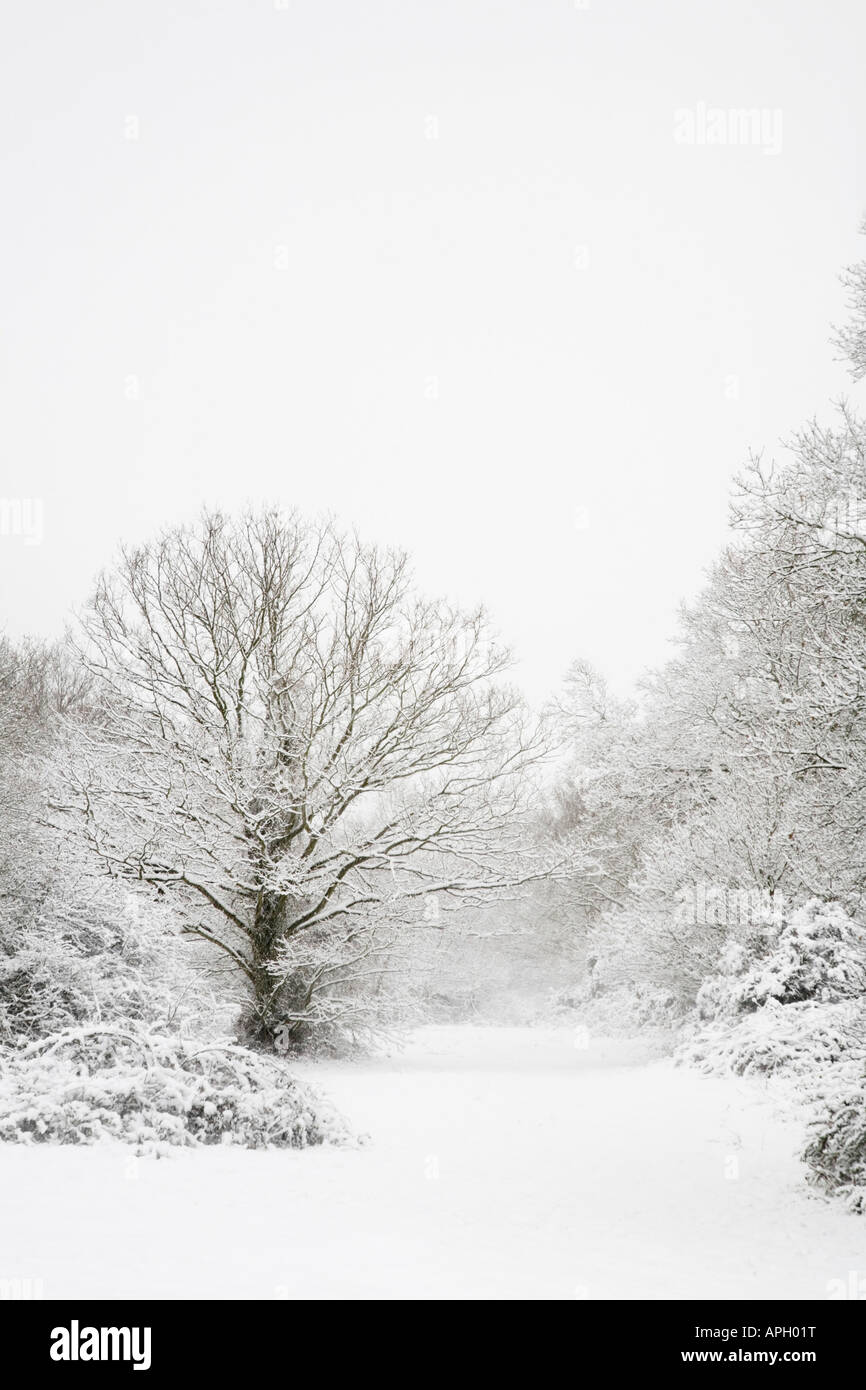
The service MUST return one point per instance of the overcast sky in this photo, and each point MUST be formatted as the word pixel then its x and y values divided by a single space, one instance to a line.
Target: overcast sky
pixel 471 275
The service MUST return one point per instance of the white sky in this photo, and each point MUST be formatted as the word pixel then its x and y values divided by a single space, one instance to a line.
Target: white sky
pixel 508 348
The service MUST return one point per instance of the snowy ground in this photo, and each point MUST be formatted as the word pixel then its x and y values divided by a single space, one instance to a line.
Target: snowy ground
pixel 503 1163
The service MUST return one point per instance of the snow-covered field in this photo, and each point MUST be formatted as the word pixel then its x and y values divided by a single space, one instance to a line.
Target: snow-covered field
pixel 503 1163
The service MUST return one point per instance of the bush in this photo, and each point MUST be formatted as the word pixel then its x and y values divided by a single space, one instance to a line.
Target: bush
pixel 93 953
pixel 154 1091
pixel 621 1011
pixel 818 953
pixel 836 1153
pixel 800 1040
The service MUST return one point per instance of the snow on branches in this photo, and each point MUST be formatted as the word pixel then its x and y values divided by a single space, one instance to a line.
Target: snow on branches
pixel 301 751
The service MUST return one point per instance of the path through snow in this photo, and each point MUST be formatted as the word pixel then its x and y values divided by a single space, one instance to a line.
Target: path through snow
pixel 503 1163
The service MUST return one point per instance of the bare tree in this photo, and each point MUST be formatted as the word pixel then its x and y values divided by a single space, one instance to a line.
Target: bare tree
pixel 306 753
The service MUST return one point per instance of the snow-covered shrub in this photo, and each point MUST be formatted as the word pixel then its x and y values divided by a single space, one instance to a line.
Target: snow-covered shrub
pixel 785 998
pixel 153 1091
pixel 836 1152
pixel 818 953
pixel 622 1011
pixel 89 951
pixel 799 1040
pixel 107 1028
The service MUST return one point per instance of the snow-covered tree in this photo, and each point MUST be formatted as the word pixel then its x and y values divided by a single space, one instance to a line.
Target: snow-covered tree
pixel 737 781
pixel 39 684
pixel 309 756
pixel 852 338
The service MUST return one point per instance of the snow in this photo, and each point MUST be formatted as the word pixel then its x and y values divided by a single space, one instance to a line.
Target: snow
pixel 502 1163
